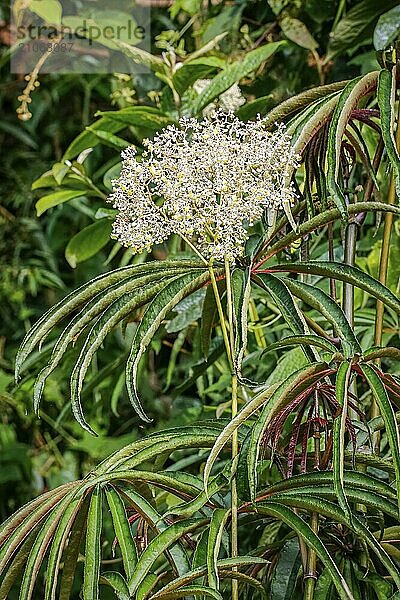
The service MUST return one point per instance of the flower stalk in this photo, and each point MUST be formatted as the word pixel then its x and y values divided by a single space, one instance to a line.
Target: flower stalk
pixel 229 341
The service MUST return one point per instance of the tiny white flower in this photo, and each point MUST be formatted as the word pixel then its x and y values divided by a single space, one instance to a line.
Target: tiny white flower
pixel 204 180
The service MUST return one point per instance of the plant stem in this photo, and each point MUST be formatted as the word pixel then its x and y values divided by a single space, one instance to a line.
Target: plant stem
pixel 383 268
pixel 311 572
pixel 258 332
pixel 221 315
pixel 229 341
pixel 234 409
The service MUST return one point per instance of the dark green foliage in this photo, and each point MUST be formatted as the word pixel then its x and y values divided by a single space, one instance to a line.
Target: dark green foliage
pixel 153 351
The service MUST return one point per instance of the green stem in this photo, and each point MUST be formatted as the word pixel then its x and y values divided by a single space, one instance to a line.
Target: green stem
pixel 311 570
pixel 229 341
pixel 311 574
pixel 221 314
pixel 234 409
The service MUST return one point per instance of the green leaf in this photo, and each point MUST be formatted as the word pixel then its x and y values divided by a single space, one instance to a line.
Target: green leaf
pixel 298 102
pixel 305 125
pixel 109 139
pixel 134 454
pixel 198 68
pixel 117 582
pixel 146 586
pixel 223 565
pixel 112 173
pixel 20 525
pixel 357 26
pixel 156 312
pixel 188 509
pixel 387 412
pixel 91 573
pixel 49 10
pixel 56 198
pixel 386 101
pixel 83 294
pixel 387 28
pixel 136 116
pixel 216 529
pixel 122 530
pixel 142 57
pixel 347 102
pixel 234 72
pixel 303 340
pixel 88 242
pixel 157 546
pixel 111 316
pixel 198 590
pixel 286 571
pixel 296 31
pixel 332 312
pixel 71 554
pixel 283 299
pixel 306 499
pixel 39 547
pixel 312 541
pixel 59 171
pixel 339 429
pixel 209 312
pixel 176 553
pixel 377 352
pixel 101 302
pixel 345 273
pixel 87 139
pixel 353 479
pixel 60 537
pixel 295 384
pixel 241 288
pixel 283 393
pixel 15 567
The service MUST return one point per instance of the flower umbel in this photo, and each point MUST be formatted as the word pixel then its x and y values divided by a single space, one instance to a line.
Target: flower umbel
pixel 204 180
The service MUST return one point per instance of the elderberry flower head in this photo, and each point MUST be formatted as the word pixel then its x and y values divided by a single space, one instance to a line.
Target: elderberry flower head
pixel 206 181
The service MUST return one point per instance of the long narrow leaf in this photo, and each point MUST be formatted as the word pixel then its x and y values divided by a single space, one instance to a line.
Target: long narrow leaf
pixel 91 310
pixel 217 524
pixel 159 545
pixel 159 308
pixel 312 541
pixel 113 315
pixel 93 547
pixel 348 101
pixel 222 565
pixel 82 295
pixel 122 530
pixel 302 340
pixel 332 312
pixel 345 273
pixel 339 429
pixel 386 101
pixel 387 412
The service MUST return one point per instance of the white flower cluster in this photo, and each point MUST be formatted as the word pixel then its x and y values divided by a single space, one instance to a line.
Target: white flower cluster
pixel 228 101
pixel 205 181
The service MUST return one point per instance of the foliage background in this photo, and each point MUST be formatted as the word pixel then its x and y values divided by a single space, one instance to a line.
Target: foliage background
pixel 333 42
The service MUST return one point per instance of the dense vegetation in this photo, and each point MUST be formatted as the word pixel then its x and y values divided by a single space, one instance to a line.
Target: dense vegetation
pixel 212 416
